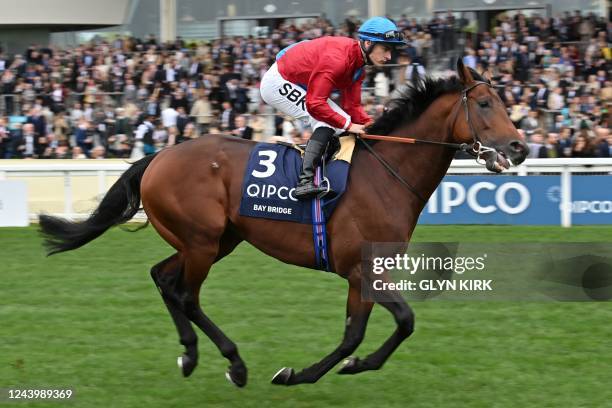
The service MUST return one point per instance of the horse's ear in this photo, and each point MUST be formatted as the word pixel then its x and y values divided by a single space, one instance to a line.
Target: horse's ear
pixel 486 75
pixel 464 73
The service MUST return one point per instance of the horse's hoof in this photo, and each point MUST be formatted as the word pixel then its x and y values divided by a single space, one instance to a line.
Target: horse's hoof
pixel 283 376
pixel 186 364
pixel 237 375
pixel 349 365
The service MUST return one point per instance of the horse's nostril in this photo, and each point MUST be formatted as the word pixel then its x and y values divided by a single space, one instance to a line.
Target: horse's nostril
pixel 518 146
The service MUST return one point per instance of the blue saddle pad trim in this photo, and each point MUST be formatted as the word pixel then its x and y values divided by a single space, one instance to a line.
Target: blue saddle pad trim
pixel 319 229
pixel 270 179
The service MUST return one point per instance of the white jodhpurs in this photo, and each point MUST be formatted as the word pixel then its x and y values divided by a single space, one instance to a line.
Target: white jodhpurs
pixel 290 99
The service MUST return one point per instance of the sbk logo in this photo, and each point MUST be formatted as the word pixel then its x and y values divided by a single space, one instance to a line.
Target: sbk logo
pixel 293 95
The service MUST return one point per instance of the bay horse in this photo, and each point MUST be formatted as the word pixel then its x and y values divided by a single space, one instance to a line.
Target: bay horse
pixel 191 194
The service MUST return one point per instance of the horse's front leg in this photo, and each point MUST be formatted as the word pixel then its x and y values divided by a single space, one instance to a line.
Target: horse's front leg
pixel 357 314
pixel 404 318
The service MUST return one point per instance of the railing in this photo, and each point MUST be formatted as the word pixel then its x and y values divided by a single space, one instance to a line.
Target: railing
pixel 99 173
pixel 40 172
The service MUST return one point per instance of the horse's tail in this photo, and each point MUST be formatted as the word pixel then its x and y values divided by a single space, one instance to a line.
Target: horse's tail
pixel 119 205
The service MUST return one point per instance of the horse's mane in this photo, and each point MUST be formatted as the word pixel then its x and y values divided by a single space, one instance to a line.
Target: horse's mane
pixel 409 101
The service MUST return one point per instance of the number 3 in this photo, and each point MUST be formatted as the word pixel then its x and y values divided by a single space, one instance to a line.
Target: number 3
pixel 267 163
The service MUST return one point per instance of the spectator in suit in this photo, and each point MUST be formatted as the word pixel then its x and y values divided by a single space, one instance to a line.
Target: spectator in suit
pixel 182 120
pixel 531 122
pixel 540 96
pixel 536 141
pixel 26 141
pixel 521 72
pixel 565 141
pixel 196 68
pixel 152 106
pixel 227 75
pixel 8 87
pixel 228 117
pixel 38 121
pixel 240 99
pixel 551 147
pixel 243 130
pixel 179 100
pixel 82 137
pixel 602 145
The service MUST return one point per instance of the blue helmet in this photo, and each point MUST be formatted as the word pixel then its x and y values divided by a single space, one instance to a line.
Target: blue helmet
pixel 380 29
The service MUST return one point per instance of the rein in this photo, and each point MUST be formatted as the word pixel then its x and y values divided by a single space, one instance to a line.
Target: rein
pixel 391 171
pixel 476 148
pixel 457 146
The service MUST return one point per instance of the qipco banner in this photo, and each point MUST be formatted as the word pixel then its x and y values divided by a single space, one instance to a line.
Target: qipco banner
pixel 526 200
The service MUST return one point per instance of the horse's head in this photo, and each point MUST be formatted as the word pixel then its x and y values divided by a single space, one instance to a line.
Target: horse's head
pixel 481 119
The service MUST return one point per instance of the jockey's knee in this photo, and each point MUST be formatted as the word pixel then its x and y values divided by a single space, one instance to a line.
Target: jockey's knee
pixel 323 134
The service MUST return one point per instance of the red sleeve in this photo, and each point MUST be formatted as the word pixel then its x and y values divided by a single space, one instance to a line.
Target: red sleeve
pixel 351 103
pixel 320 87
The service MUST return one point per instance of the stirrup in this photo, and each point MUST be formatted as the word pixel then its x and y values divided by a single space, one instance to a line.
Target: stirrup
pixel 326 186
pixel 307 191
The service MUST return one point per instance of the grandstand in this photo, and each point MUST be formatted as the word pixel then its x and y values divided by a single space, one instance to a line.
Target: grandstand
pixel 84 94
pixel 80 92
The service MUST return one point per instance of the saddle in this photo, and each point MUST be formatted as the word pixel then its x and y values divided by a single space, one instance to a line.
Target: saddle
pixel 339 148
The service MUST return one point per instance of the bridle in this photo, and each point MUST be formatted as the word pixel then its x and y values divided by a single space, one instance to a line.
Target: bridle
pixel 475 149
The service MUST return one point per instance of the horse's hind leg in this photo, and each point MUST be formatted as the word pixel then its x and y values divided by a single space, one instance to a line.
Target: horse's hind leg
pixel 357 314
pixel 168 278
pixel 198 261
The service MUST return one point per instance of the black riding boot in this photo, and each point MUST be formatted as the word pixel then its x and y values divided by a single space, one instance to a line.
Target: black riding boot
pixel 312 157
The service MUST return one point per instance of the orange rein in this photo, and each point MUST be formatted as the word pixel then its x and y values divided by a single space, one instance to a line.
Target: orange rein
pixel 459 146
pixel 389 138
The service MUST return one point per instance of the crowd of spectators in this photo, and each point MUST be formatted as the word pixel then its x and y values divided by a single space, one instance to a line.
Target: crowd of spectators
pixel 128 97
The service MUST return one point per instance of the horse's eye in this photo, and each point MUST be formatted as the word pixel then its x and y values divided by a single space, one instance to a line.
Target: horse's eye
pixel 484 104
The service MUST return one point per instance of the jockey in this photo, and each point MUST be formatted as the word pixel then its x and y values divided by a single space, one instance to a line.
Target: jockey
pixel 304 76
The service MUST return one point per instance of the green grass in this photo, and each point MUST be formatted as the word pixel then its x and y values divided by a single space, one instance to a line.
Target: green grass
pixel 92 320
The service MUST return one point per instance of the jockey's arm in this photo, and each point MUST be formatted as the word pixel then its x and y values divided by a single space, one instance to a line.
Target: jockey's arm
pixel 320 88
pixel 351 103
